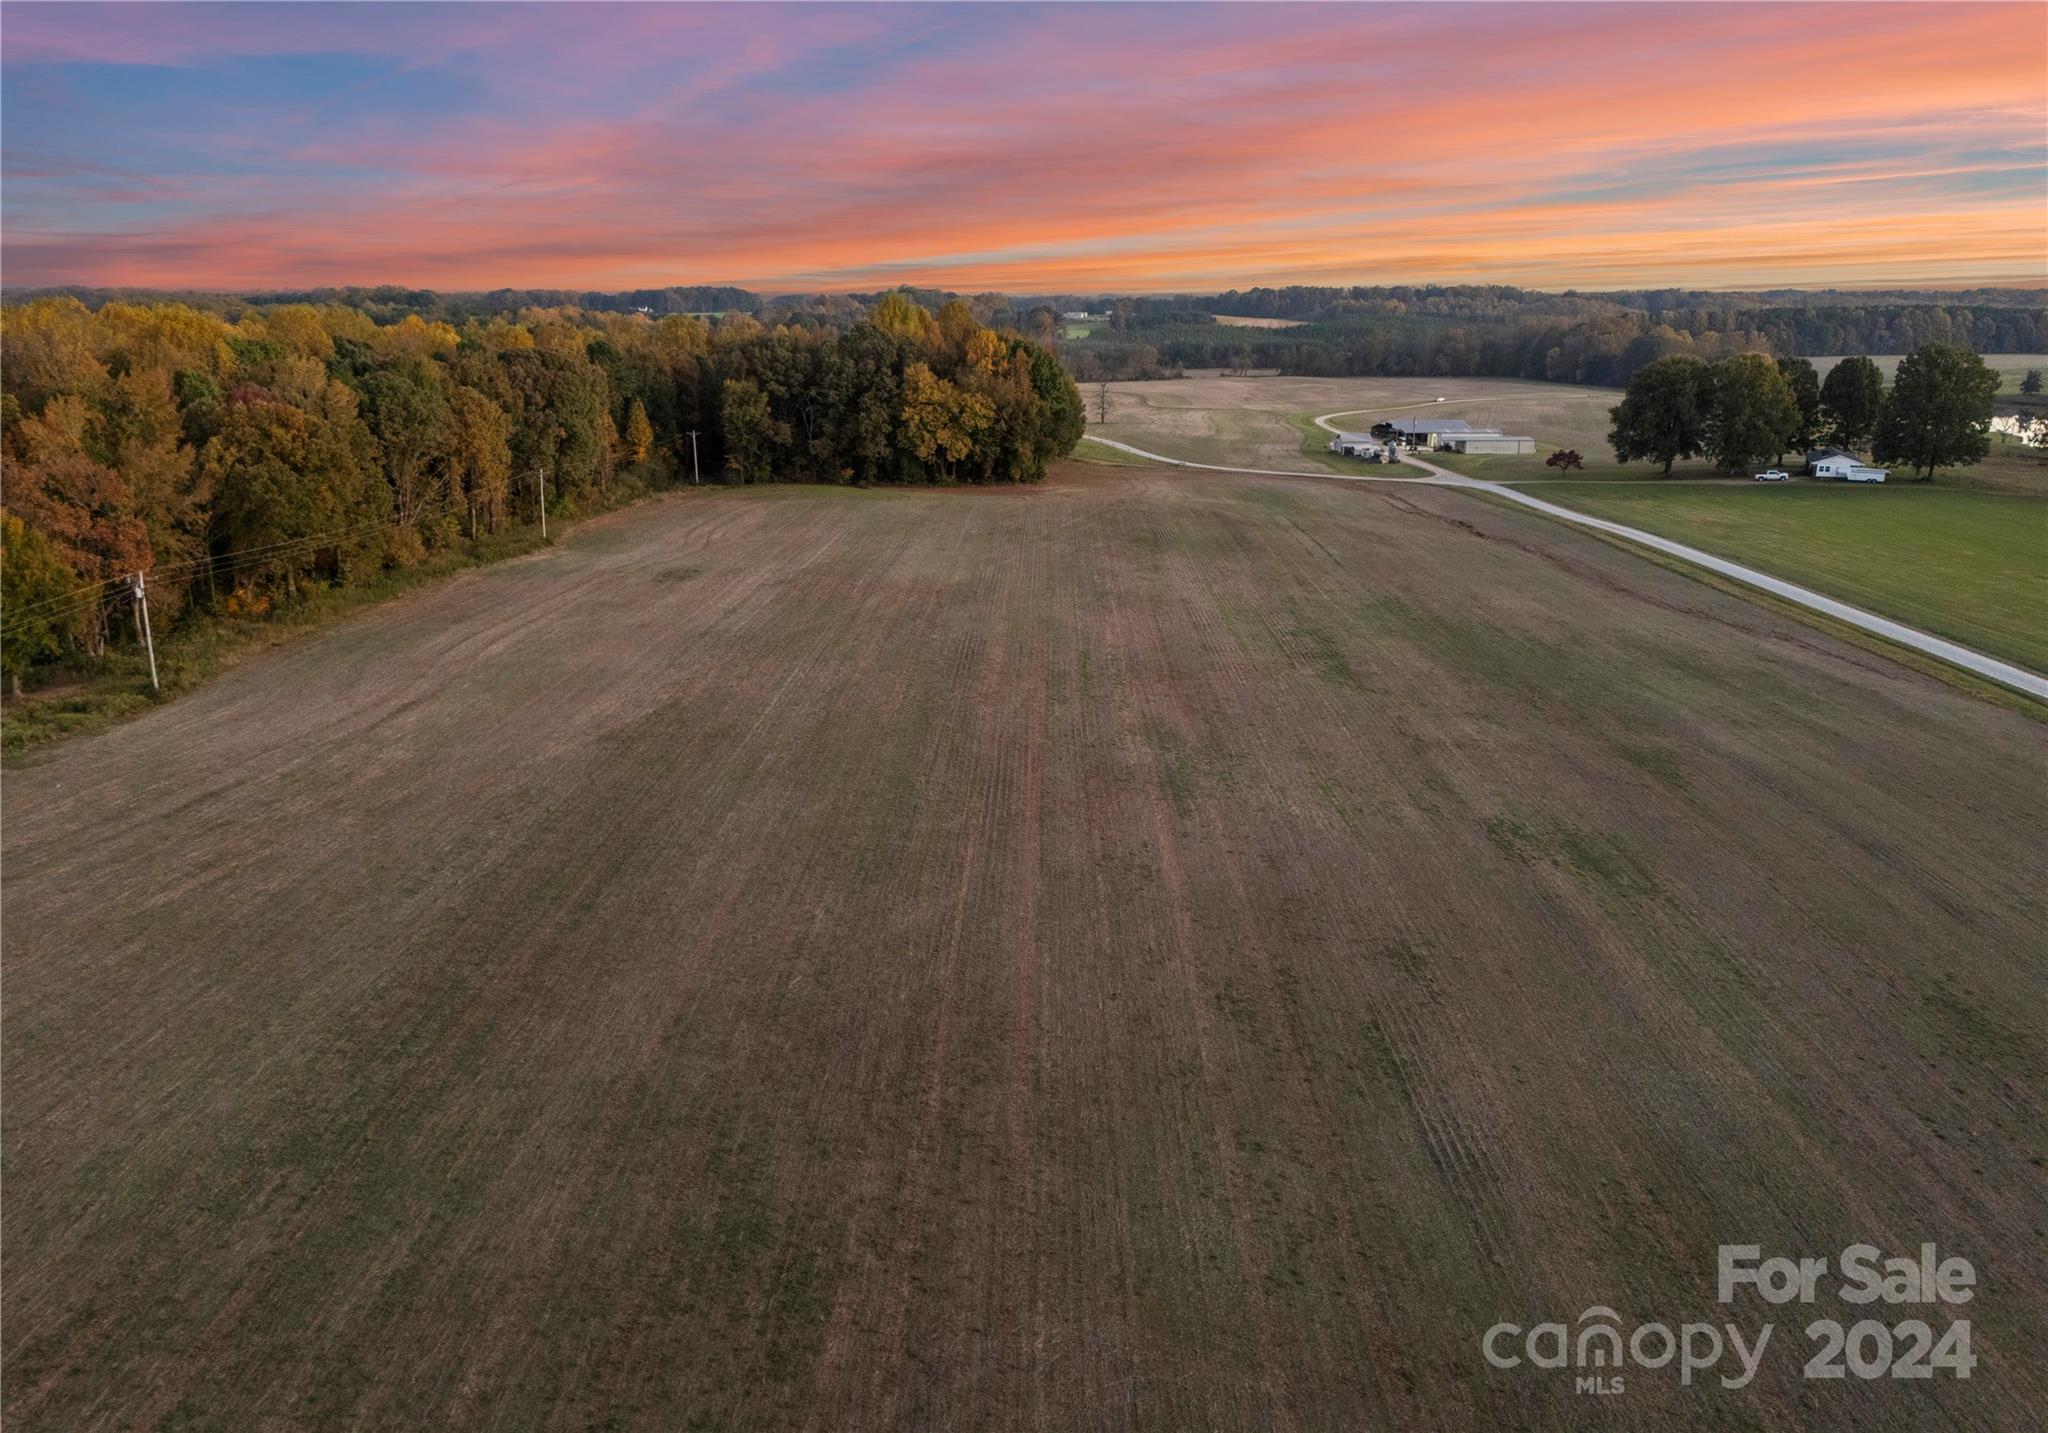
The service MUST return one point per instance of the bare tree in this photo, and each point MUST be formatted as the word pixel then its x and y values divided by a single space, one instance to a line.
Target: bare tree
pixel 1102 402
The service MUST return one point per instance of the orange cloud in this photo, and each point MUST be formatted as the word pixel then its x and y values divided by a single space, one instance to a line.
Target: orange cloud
pixel 1064 148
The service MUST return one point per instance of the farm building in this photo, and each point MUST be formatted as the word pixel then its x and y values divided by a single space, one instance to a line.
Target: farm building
pixel 1427 432
pixel 1457 436
pixel 1481 440
pixel 1842 464
pixel 1357 445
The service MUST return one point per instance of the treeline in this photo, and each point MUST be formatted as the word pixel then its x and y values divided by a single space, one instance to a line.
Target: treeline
pixel 231 463
pixel 1748 410
pixel 1513 333
pixel 904 396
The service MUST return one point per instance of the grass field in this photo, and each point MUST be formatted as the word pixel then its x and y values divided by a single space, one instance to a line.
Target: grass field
pixel 1166 950
pixel 2011 367
pixel 1970 566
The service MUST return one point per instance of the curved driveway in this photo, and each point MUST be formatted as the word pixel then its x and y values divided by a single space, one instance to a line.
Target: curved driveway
pixel 1991 668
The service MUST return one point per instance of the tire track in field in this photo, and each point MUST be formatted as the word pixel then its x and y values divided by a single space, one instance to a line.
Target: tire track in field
pixel 491 996
pixel 1022 1274
pixel 764 692
pixel 886 1289
pixel 1156 814
pixel 871 638
pixel 1464 1147
pixel 189 1364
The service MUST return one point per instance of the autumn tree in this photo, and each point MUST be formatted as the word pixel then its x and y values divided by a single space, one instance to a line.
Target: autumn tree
pixel 46 351
pixel 136 429
pixel 479 456
pixel 1564 460
pixel 39 595
pixel 899 314
pixel 940 420
pixel 639 432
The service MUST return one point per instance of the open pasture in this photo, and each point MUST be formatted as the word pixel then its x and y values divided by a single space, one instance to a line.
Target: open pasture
pixel 1970 566
pixel 1165 950
pixel 2010 367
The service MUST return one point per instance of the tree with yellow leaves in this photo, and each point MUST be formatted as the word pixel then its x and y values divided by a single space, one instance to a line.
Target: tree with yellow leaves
pixel 639 432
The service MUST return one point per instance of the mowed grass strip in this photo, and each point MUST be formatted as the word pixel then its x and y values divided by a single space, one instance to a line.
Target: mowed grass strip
pixel 1970 566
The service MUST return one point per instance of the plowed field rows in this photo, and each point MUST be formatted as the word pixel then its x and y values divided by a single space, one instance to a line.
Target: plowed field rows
pixel 1159 951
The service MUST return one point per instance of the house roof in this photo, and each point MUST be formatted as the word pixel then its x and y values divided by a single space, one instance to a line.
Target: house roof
pixel 1431 425
pixel 1814 455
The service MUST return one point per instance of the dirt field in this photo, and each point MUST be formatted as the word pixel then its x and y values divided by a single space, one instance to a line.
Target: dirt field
pixel 1160 951
pixel 1231 320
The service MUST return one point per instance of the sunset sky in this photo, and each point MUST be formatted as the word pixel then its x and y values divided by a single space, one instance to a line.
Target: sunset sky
pixel 1027 148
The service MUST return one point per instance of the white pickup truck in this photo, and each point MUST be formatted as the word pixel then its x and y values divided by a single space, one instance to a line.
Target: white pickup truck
pixel 1774 475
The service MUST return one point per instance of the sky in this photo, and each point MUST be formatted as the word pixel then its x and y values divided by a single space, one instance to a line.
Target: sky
pixel 1027 148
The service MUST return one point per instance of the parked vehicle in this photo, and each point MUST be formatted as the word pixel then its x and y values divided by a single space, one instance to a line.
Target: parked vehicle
pixel 1773 475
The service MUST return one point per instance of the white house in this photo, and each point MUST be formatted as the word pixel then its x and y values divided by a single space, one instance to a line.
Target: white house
pixel 1847 467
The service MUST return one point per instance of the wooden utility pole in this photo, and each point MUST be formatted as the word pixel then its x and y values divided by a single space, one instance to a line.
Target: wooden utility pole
pixel 541 476
pixel 148 638
pixel 694 477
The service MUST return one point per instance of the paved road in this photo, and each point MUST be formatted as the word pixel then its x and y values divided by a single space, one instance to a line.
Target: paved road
pixel 2004 673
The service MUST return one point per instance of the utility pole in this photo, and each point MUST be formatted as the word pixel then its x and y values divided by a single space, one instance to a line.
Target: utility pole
pixel 148 639
pixel 541 476
pixel 694 476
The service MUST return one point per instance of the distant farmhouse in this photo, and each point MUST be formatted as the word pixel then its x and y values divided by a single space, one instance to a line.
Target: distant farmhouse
pixel 1842 464
pixel 1455 435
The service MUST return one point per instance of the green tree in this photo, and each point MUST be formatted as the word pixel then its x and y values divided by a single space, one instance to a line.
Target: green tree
pixel 1064 415
pixel 1939 410
pixel 1851 399
pixel 1753 415
pixel 1799 374
pixel 406 408
pixel 295 493
pixel 2031 384
pixel 38 594
pixel 1663 416
pixel 751 432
